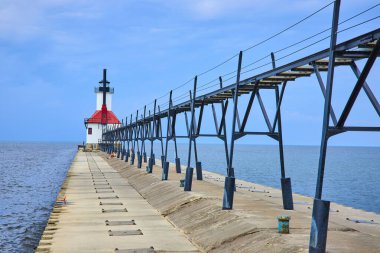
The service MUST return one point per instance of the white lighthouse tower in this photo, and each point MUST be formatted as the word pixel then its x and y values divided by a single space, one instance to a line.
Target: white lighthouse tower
pixel 103 116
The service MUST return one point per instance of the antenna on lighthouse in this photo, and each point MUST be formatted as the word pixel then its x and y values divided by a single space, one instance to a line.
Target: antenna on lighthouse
pixel 105 88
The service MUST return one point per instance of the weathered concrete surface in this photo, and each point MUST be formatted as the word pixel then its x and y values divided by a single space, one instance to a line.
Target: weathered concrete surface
pixel 80 225
pixel 252 225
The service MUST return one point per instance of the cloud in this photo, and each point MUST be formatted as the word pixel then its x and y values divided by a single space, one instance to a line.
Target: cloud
pixel 17 21
pixel 22 20
pixel 211 9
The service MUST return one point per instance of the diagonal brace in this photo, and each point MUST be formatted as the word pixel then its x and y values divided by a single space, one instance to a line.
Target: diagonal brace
pixel 367 89
pixel 267 121
pixel 359 84
pixel 249 106
pixel 323 89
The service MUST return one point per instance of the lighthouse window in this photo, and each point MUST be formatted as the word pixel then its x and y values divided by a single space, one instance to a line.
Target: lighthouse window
pixel 89 130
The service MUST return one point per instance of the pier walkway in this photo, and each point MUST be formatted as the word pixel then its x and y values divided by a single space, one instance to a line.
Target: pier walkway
pixel 171 220
pixel 104 213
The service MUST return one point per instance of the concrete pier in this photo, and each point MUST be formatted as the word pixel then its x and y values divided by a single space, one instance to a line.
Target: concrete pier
pixel 172 220
pixel 104 213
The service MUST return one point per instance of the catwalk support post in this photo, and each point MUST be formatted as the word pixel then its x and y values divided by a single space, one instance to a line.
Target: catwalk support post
pixel 165 169
pixel 153 130
pixel 320 216
pixel 286 185
pixel 189 169
pixel 229 183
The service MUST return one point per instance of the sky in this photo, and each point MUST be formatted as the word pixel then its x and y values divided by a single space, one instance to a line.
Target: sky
pixel 52 53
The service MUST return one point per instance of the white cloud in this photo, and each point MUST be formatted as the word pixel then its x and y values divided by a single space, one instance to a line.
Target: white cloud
pixel 18 21
pixel 21 20
pixel 208 9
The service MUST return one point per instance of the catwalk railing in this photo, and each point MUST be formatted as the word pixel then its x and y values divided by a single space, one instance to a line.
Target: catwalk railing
pixel 129 139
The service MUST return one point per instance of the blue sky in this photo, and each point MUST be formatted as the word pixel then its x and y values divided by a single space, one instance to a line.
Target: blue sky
pixel 53 52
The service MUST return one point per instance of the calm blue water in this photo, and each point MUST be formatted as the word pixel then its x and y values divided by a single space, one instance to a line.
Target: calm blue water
pixel 352 174
pixel 31 175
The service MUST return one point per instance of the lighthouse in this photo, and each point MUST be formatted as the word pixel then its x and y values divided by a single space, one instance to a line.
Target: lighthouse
pixel 103 116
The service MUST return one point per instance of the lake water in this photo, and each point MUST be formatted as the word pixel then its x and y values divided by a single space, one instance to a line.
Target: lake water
pixel 32 173
pixel 352 174
pixel 31 177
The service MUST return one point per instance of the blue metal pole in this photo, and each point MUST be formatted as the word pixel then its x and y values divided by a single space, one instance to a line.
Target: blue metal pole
pixel 319 224
pixel 139 157
pixel 133 135
pixel 165 170
pixel 189 170
pixel 159 134
pixel 144 136
pixel 286 185
pixel 127 139
pixel 151 158
pixel 177 159
pixel 229 183
pixel 222 106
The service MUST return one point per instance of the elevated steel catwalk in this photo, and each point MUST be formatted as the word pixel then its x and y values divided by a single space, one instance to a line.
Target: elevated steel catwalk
pixel 288 72
pixel 131 137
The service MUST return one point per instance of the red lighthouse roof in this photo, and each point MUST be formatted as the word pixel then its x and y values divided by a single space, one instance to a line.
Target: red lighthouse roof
pixel 97 118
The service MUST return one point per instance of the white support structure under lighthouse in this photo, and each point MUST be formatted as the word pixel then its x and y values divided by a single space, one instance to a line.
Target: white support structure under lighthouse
pixel 103 116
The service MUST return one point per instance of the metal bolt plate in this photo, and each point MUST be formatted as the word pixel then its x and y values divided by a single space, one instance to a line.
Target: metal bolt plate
pixel 114 210
pixel 146 250
pixel 109 197
pixel 118 223
pixel 124 233
pixel 110 204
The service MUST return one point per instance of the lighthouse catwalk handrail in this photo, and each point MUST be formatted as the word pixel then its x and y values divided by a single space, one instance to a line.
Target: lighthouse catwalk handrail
pixel 128 137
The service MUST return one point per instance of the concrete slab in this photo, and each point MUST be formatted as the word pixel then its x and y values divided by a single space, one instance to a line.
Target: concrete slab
pixel 80 225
